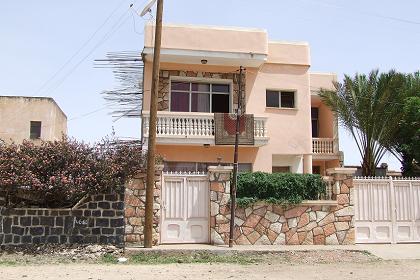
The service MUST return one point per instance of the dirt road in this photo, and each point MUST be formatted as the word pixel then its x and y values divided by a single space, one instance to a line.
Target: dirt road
pixel 384 270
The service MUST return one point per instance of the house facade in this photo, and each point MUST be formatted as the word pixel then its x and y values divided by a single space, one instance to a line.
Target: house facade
pixel 293 130
pixel 31 118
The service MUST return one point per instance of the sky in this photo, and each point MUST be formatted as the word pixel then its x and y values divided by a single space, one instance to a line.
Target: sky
pixel 48 48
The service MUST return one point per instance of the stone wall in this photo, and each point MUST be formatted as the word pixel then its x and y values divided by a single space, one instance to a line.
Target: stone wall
pixel 164 80
pixel 135 198
pixel 316 222
pixel 96 219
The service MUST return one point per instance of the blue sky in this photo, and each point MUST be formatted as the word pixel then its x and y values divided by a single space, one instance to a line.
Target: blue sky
pixel 39 37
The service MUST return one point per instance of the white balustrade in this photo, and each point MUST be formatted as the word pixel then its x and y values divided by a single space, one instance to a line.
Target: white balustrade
pixel 193 125
pixel 323 146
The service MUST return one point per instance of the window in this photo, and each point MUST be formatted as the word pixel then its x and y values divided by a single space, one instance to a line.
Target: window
pixel 177 166
pixel 315 123
pixel 200 97
pixel 280 169
pixel 316 169
pixel 280 99
pixel 35 131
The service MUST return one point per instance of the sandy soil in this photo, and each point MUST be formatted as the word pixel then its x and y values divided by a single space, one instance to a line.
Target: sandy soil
pixel 407 270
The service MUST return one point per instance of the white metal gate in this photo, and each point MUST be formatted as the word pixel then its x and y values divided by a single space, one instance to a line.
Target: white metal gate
pixel 185 209
pixel 387 210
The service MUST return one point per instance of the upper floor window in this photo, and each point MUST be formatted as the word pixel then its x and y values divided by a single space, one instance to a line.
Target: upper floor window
pixel 35 130
pixel 280 99
pixel 315 122
pixel 200 97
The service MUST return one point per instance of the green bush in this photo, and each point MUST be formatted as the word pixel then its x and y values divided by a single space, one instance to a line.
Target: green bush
pixel 278 188
pixel 59 173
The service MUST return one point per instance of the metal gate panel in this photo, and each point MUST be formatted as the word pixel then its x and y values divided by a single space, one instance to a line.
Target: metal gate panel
pixel 387 210
pixel 185 209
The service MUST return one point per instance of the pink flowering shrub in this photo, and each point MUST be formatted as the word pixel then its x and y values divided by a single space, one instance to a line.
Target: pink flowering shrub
pixel 60 173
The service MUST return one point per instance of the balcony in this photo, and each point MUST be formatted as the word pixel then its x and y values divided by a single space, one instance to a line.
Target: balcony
pixel 194 128
pixel 324 147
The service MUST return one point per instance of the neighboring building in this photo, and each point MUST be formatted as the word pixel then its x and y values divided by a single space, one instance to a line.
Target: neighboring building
pixel 31 118
pixel 294 131
pixel 381 171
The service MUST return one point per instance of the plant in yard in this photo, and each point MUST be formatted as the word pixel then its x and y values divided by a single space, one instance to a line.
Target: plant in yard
pixel 278 188
pixel 369 107
pixel 406 144
pixel 60 173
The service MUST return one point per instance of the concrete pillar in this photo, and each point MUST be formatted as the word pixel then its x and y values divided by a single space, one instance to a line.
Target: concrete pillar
pixel 307 164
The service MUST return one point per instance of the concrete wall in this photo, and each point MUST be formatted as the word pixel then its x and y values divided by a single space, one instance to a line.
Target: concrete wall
pixel 286 67
pixel 17 112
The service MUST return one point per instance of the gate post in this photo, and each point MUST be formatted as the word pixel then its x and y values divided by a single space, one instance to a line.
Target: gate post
pixel 343 192
pixel 219 177
pixel 135 198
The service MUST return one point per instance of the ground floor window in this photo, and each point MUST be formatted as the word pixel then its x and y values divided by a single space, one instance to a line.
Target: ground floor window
pixel 280 169
pixel 316 169
pixel 179 166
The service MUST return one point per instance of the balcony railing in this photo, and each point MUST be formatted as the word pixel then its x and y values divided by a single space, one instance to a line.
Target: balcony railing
pixel 325 146
pixel 194 128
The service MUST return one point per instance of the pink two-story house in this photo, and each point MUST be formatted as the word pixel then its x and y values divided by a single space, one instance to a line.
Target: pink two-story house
pixel 294 131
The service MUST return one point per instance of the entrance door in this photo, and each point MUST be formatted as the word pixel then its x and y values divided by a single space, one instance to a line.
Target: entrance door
pixel 386 210
pixel 185 209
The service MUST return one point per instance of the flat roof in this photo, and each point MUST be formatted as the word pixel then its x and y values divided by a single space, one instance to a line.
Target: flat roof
pixel 47 98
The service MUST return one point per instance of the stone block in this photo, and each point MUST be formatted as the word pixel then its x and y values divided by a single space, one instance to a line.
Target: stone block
pixel 302 236
pixel 280 240
pixel 341 226
pixel 252 221
pixel 214 208
pixel 36 230
pixel 265 223
pixel 263 240
pixel 118 205
pixel 318 231
pixel 248 211
pixel 343 199
pixel 272 217
pixel 25 221
pixel 242 240
pixel 276 227
pixel 104 205
pixel 292 222
pixel 329 229
pixel 76 213
pixel 253 237
pixel 295 212
pixel 102 222
pixel 117 222
pixel 330 218
pixel 108 213
pixel 18 230
pixel 303 220
pixel 319 240
pixel 347 211
pixel 26 239
pixel 331 240
pixel 107 231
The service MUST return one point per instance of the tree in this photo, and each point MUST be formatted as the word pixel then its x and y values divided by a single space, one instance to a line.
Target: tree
pixel 369 107
pixel 407 140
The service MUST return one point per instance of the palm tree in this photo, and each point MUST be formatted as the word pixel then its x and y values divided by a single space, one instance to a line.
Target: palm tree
pixel 369 108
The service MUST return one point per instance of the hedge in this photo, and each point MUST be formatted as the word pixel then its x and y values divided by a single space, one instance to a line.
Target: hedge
pixel 278 188
pixel 58 174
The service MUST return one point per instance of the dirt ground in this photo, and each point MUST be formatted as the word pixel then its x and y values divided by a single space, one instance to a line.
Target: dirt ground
pixel 408 270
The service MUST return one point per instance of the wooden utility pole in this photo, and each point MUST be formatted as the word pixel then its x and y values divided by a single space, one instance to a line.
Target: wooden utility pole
pixel 235 160
pixel 150 181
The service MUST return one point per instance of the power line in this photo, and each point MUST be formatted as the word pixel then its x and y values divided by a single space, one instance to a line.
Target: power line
pixel 369 13
pixel 111 32
pixel 80 48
